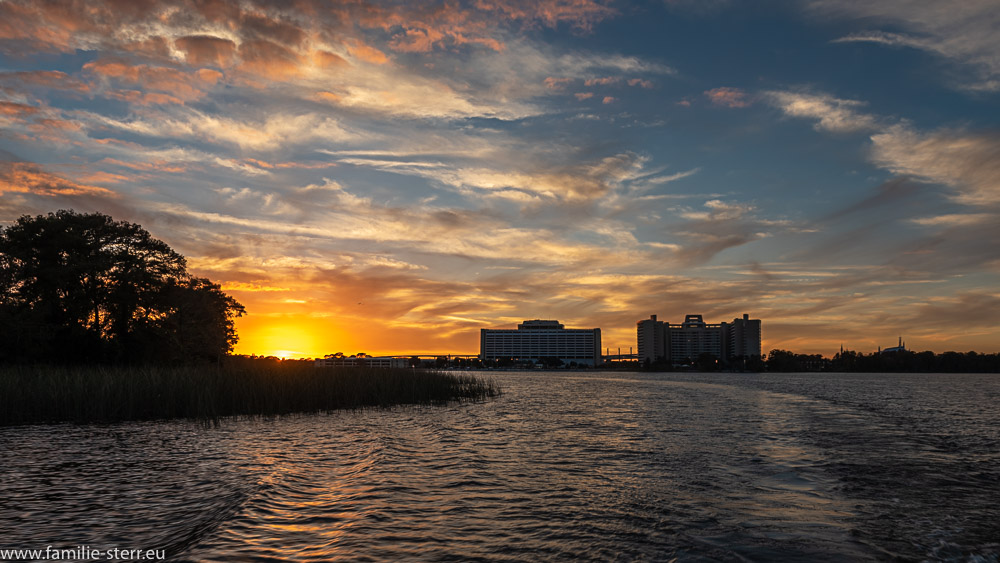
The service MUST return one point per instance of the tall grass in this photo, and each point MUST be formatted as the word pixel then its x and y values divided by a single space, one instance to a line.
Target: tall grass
pixel 91 394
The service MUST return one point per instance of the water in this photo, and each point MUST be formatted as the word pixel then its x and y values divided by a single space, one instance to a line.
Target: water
pixel 592 466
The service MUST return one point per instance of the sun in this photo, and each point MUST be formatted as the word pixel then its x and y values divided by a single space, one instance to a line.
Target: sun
pixel 285 339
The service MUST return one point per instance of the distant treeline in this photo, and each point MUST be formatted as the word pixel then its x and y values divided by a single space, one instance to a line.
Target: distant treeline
pixel 83 289
pixel 885 362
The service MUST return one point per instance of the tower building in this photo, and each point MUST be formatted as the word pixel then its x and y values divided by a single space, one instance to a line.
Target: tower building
pixel 659 341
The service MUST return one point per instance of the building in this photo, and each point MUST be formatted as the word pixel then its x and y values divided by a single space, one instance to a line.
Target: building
pixel 901 347
pixel 652 343
pixel 744 338
pixel 659 341
pixel 363 361
pixel 541 341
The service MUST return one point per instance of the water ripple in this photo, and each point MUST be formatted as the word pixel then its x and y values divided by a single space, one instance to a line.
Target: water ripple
pixel 591 466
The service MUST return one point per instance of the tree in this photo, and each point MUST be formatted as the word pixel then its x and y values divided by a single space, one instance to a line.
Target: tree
pixel 196 320
pixel 782 360
pixel 89 288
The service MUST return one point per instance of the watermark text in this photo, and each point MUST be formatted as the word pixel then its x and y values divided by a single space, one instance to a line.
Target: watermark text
pixel 82 553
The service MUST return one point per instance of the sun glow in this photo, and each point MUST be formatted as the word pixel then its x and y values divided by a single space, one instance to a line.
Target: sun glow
pixel 286 337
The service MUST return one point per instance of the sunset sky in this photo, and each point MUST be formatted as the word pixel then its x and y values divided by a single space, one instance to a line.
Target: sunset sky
pixel 392 177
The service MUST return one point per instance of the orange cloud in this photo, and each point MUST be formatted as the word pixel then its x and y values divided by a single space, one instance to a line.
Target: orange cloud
pixel 24 22
pixel 255 287
pixel 640 82
pixel 157 165
pixel 606 81
pixel 60 124
pixel 327 59
pixel 273 27
pixel 105 178
pixel 581 14
pixel 328 97
pixel 584 95
pixel 206 50
pixel 50 79
pixel 416 40
pixel 208 75
pixel 557 83
pixel 609 100
pixel 13 108
pixel 26 177
pixel 179 84
pixel 366 53
pixel 729 97
pixel 270 60
pixel 149 98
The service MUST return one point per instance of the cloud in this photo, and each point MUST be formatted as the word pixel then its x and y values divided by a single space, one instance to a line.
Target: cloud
pixel 606 81
pixel 964 32
pixel 171 82
pixel 16 109
pixel 728 97
pixel 956 219
pixel 972 309
pixel 557 84
pixel 580 14
pixel 969 163
pixel 332 216
pixel 892 193
pixel 29 178
pixel 207 50
pixel 49 79
pixel 145 99
pixel 718 226
pixel 530 182
pixel 269 60
pixel 303 44
pixel 833 114
pixel 270 133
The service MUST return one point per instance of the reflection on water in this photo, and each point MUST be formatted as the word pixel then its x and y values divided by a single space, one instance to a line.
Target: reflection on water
pixel 564 465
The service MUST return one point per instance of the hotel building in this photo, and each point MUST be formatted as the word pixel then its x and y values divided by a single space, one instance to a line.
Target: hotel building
pixel 362 362
pixel 537 339
pixel 661 341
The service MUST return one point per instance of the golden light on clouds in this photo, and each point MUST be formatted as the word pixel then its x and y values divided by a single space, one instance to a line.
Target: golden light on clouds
pixel 392 177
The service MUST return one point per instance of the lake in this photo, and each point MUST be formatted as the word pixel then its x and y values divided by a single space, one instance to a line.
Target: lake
pixel 565 465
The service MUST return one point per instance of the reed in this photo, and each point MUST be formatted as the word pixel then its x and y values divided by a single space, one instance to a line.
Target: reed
pixel 31 394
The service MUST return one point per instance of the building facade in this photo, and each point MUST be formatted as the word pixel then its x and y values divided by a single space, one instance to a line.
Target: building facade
pixel 659 341
pixel 364 362
pixel 539 340
pixel 744 338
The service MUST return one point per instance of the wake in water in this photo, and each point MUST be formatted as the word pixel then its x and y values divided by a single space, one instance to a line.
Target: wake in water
pixel 598 466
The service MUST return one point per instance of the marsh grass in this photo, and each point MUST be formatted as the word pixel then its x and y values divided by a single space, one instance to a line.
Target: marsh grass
pixel 107 393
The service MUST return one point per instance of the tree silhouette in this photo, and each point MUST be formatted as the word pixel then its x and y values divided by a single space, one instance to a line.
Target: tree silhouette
pixel 83 287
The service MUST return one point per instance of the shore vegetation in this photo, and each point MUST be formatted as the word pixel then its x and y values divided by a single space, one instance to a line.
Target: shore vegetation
pixel 239 387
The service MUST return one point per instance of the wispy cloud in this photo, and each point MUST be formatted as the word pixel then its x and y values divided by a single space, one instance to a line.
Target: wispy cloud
pixel 832 114
pixel 964 32
pixel 967 162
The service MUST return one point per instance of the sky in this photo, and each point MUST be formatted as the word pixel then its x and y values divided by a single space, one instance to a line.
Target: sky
pixel 391 177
